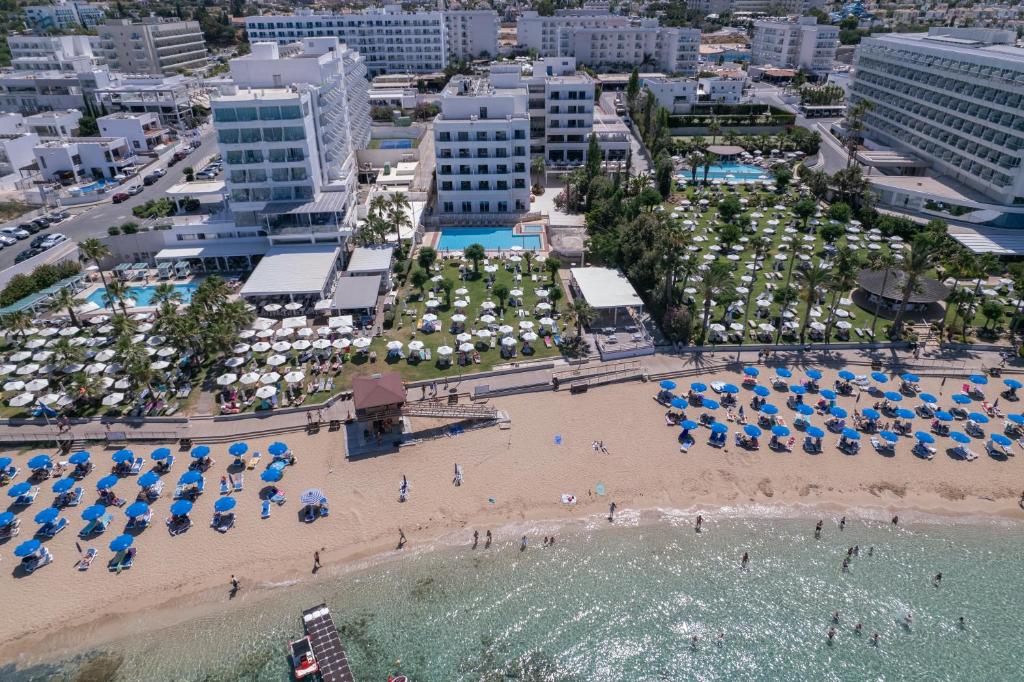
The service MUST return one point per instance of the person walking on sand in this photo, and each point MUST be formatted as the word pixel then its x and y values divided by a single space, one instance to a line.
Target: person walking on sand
pixel 700 522
pixel 476 538
pixel 401 539
pixel 487 543
pixel 896 520
pixel 611 512
pixel 234 586
pixel 316 560
pixel 842 523
pixel 817 530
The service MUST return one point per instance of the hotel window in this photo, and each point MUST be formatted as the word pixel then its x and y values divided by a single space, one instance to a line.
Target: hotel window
pixel 229 136
pixel 282 193
pixel 247 113
pixel 467 206
pixel 279 174
pixel 292 134
pixel 272 134
pixel 249 135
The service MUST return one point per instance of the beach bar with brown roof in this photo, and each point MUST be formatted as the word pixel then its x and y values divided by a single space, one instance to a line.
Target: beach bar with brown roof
pixel 378 401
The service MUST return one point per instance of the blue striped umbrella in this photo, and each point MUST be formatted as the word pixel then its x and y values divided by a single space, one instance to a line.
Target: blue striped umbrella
pixel 751 371
pixel 879 377
pixel 851 434
pixel 889 436
pixel 779 430
pixel 837 411
pixel 19 489
pixel 190 477
pixel 871 413
pixel 959 437
pixel 709 404
pixel 40 462
pixel 997 438
pixel 27 548
pixel 904 413
pixel 150 478
pixel 181 508
pixel 121 543
pixel 783 372
pixel 924 437
pixel 805 409
pixel 769 409
pixel 893 396
pixel 730 388
pixel 828 394
pixel 813 374
pixel 666 385
pixel 123 456
pixel 978 417
pixel 910 378
pixel 106 483
pixel 94 512
pixel 200 451
pixel 136 509
pixel 979 379
pixel 847 375
pixel 312 496
pixel 278 448
pixel 1012 384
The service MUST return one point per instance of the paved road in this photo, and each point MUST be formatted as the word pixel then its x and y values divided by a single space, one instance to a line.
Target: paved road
pixel 93 221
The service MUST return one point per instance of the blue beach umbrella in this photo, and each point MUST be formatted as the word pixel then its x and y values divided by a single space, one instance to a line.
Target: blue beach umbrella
pixel 312 496
pixel 997 438
pixel 730 389
pixel 959 437
pixel 762 391
pixel 904 413
pixel 94 512
pixel 871 413
pixel 978 417
pixel 928 398
pixel 665 385
pixel 271 475
pixel 910 377
pixel 181 508
pixel 278 448
pixel 779 430
pixel 797 389
pixel 710 404
pixel 678 403
pixel 943 416
pixel 5 462
pixel 238 449
pixel 136 509
pixel 814 374
pixel 27 548
pixel 6 518
pixel 106 483
pixel 805 409
pixel 19 489
pixel 47 515
pixel 1016 418
pixel 751 371
pixel 200 451
pixel 224 504
pixel 689 424
pixel 719 427
pixel 879 377
pixel 889 436
pixel 828 394
pixel 123 456
pixel 40 462
pixel 1013 384
pixel 63 485
pixel 979 379
pixel 698 386
pixel 159 454
pixel 121 543
pixel 769 409
pixel 851 434
pixel 924 437
pixel 783 372
pixel 150 478
pixel 80 457
pixel 893 396
pixel 815 432
pixel 190 477
pixel 960 399
pixel 837 411
pixel 751 430
pixel 847 375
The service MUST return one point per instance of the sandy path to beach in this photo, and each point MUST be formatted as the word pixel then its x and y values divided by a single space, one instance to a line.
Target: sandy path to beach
pixel 513 476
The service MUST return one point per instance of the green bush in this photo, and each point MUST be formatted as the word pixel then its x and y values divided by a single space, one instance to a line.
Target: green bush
pixel 113 230
pixel 42 277
pixel 155 208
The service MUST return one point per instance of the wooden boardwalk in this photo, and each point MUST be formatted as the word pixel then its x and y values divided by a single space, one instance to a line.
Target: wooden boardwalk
pixel 323 636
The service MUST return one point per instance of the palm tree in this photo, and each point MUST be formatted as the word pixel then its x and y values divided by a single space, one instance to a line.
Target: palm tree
pixel 883 261
pixel 714 127
pixel 916 263
pixel 854 125
pixel 501 292
pixel 528 257
pixel 19 323
pixel 960 264
pixel 166 293
pixel 447 286
pixel 694 160
pixel 65 300
pixel 399 213
pixel 783 297
pixel 65 354
pixel 583 314
pixel 709 161
pixel 537 168
pixel 95 250
pixel 715 282
pixel 813 279
pixel 842 279
pixel 87 387
pixel 123 326
pixel 962 302
pixel 115 294
pixel 379 206
pixel 762 246
pixel 553 265
pixel 475 253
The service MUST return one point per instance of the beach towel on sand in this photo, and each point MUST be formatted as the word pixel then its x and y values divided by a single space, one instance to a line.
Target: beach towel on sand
pixel 568 499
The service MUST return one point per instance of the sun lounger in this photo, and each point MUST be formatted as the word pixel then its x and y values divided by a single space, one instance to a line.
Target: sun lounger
pixel 238 482
pixel 8 532
pixel 224 487
pixel 254 460
pixel 48 530
pixel 310 514
pixel 122 561
pixel 96 527
pixel 279 498
pixel 265 511
pixel 177 527
pixel 881 446
pixel 201 486
pixel 26 499
pixel 137 465
pixel 86 561
pixel 222 523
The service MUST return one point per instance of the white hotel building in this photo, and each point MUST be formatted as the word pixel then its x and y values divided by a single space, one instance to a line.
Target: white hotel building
pixel 390 40
pixel 482 147
pixel 800 44
pixel 954 98
pixel 610 41
pixel 288 129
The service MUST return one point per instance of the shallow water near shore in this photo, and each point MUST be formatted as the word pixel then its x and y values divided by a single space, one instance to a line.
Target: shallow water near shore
pixel 622 602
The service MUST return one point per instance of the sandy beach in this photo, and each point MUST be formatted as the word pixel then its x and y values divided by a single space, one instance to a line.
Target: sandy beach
pixel 513 476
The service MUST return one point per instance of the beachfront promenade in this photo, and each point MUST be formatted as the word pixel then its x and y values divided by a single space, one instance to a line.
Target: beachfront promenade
pixel 209 429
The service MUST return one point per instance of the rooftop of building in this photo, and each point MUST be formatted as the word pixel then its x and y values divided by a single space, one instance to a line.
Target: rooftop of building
pixel 57 144
pixel 984 42
pixel 251 94
pixel 477 86
pixel 58 113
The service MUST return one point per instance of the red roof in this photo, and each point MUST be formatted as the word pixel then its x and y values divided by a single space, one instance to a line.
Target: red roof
pixel 386 389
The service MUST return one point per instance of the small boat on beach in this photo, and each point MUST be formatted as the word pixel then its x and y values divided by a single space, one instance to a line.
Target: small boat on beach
pixel 302 659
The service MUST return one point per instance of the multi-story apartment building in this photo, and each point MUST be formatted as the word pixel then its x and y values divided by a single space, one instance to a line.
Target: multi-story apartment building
pixel 954 98
pixel 755 6
pixel 677 95
pixel 59 124
pixel 800 44
pixel 169 97
pixel 142 131
pixel 28 92
pixel 390 40
pixel 288 128
pixel 481 143
pixel 607 40
pixel 155 45
pixel 84 158
pixel 64 14
pixel 50 53
pixel 16 151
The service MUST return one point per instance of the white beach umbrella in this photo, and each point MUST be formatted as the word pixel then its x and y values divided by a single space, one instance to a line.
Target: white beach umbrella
pixel 416 345
pixel 766 328
pixel 227 379
pixel 488 305
pixel 304 333
pixel 158 341
pixel 282 347
pixel 488 319
pixel 98 319
pixel 265 392
pixel 25 370
pixel 104 356
pixel 260 347
pixel 294 377
pixel 843 324
pixel 123 384
pixel 21 400
pixel 293 306
pixel 444 350
pixel 433 303
pixel 249 378
pixel 490 268
pixel 817 326
pixel 529 337
pixel 114 368
pixel 508 341
pixel 276 360
pixel 526 324
pixel 42 356
pixel 301 344
pixel 461 291
pixel 323 331
pixel 394 345
pixel 14 386
pixel 284 333
pixel 321 344
pixel 32 344
pixel 459 303
pixel 246 334
pixel 95 368
pixel 547 306
pixel 265 334
pixel 546 321
pixel 47 331
pixel 241 349
pixel 167 352
pixel 20 356
pixel 464 337
pixel 113 399
pixel 362 342
pixel 270 378
pixel 272 307
pixel 145 327
pixel 160 364
pixel 466 348
pixel 36 385
pixel 542 293
pixel 458 317
pixel 341 344
pixel 483 333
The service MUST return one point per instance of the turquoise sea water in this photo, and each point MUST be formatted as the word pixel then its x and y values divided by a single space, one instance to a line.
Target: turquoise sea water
pixel 622 603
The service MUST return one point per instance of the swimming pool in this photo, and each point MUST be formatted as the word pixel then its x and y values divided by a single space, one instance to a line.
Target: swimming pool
pixel 92 186
pixel 491 238
pixel 396 144
pixel 143 296
pixel 741 172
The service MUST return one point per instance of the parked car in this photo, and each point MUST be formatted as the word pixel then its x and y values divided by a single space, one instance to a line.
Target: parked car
pixel 179 155
pixel 135 189
pixel 26 254
pixel 150 179
pixel 205 175
pixel 57 216
pixel 119 197
pixel 6 240
pixel 31 228
pixel 38 240
pixel 16 233
pixel 42 222
pixel 53 239
pixel 159 172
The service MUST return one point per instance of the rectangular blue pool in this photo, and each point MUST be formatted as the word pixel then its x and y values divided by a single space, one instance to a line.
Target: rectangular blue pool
pixel 491 238
pixel 741 172
pixel 396 144
pixel 143 296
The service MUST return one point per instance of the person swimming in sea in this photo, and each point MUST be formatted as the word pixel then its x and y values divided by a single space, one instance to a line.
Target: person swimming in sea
pixel 721 636
pixel 744 560
pixel 960 623
pixel 835 616
pixel 875 638
pixel 700 521
pixel 846 565
pixel 842 523
pixel 937 580
pixel 831 635
pixel 858 628
pixel 908 620
pixel 693 641
pixel 817 530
